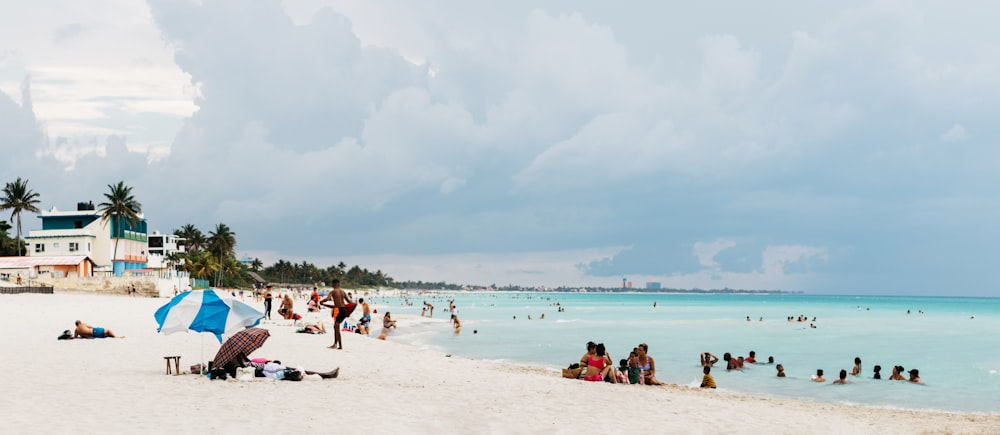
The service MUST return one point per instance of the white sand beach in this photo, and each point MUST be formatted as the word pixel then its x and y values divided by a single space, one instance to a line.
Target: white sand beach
pixel 111 385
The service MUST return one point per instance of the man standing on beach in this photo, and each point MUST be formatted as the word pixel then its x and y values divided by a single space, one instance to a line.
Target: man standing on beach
pixel 340 301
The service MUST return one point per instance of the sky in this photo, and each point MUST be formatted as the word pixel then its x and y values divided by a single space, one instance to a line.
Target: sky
pixel 824 147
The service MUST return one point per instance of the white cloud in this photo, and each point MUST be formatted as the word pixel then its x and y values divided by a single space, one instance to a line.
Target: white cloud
pixel 728 67
pixel 955 134
pixel 776 258
pixel 548 128
pixel 706 252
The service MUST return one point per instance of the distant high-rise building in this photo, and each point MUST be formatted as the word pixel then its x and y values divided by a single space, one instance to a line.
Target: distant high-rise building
pixel 652 285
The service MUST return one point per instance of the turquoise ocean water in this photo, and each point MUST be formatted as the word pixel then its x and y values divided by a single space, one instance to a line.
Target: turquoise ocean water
pixel 958 356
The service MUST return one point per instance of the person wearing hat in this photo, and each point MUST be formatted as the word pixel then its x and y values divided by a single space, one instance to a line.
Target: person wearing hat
pixel 915 376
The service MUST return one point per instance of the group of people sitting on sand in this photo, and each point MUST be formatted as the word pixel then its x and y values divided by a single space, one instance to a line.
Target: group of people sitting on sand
pixel 596 365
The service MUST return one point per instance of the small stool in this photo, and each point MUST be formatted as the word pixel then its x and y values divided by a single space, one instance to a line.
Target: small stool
pixel 177 364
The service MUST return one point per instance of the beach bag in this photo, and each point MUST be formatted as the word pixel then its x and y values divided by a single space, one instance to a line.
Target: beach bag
pixel 245 373
pixel 572 373
pixel 66 335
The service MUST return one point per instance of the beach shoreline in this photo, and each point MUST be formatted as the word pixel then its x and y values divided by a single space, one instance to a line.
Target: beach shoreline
pixel 96 386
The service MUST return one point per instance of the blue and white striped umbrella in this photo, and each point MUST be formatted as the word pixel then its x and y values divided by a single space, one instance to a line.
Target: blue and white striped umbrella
pixel 206 311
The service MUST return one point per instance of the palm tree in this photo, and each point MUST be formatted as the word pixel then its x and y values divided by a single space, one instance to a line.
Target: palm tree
pixel 202 265
pixel 121 204
pixel 6 243
pixel 222 241
pixel 194 240
pixel 174 259
pixel 256 265
pixel 18 198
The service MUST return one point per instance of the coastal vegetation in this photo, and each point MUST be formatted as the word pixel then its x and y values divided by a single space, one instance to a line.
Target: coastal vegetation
pixel 18 198
pixel 212 257
pixel 354 277
pixel 121 204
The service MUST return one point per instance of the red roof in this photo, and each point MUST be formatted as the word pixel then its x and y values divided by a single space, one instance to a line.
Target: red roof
pixel 22 262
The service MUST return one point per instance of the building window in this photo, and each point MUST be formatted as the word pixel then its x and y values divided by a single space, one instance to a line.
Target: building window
pixel 73 246
pixel 88 246
pixel 55 245
pixel 39 247
pixel 77 224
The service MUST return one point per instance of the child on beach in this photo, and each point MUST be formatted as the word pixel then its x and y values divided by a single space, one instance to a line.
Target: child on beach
pixel 707 381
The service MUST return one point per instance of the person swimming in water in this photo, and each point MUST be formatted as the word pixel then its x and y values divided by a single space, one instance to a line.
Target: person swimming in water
pixel 819 376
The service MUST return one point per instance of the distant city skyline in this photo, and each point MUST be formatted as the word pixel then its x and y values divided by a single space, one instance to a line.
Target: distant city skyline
pixel 837 148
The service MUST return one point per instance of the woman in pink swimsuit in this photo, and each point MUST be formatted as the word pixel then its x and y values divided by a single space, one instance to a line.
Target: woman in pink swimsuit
pixel 599 365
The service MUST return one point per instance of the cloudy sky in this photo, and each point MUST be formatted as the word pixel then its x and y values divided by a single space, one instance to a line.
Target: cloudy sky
pixel 828 147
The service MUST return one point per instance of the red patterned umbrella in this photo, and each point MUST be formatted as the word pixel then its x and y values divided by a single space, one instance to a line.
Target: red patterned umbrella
pixel 245 342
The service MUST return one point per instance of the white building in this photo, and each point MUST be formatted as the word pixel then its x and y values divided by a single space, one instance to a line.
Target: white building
pixel 161 246
pixel 81 232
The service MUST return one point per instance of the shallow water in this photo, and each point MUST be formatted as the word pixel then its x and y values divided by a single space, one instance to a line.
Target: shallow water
pixel 958 357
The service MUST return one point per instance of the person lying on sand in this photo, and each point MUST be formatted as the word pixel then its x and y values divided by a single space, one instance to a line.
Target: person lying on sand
pixel 84 330
pixel 264 368
pixel 317 328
